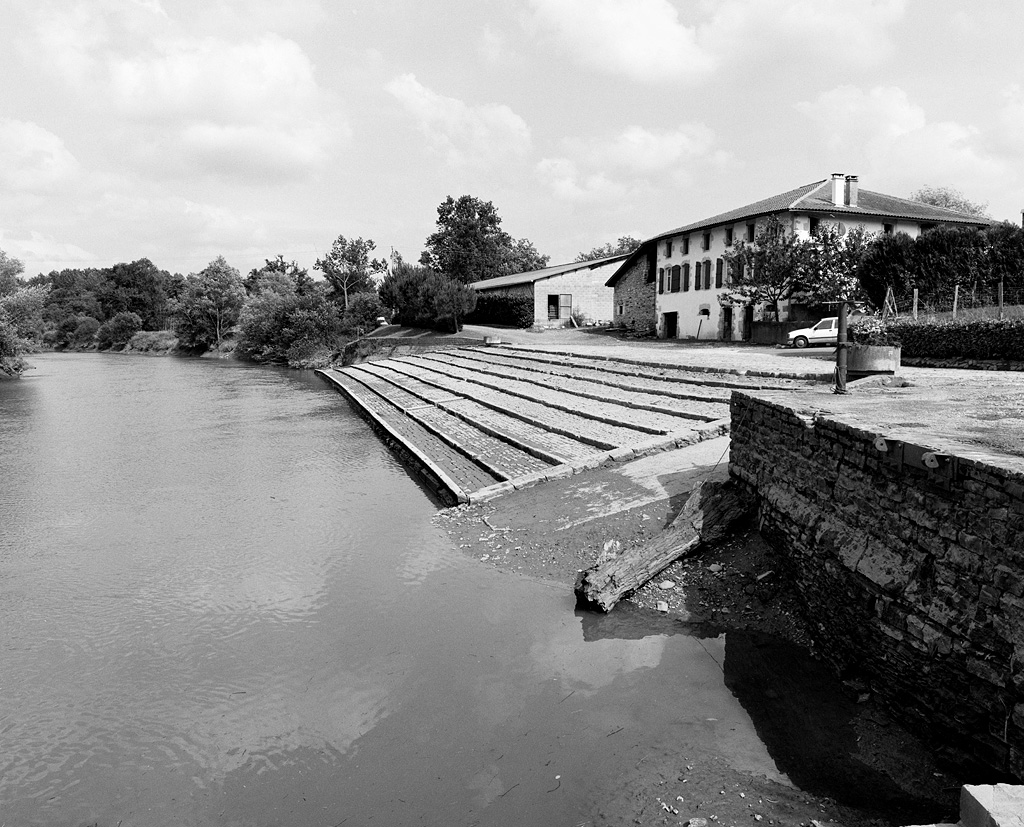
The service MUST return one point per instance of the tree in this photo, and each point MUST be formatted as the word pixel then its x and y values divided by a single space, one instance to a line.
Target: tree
pixel 1006 259
pixel 950 199
pixel 118 331
pixel 421 297
pixel 279 275
pixel 832 259
pixel 469 244
pixel 348 267
pixel 888 263
pixel 947 256
pixel 209 305
pixel 136 287
pixel 768 270
pixel 10 269
pixel 624 246
pixel 522 257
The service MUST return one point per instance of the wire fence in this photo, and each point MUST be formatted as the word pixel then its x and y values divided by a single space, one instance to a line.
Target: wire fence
pixel 956 301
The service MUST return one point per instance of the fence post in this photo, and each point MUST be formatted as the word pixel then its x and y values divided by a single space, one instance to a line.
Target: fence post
pixel 915 304
pixel 1000 298
pixel 842 354
pixel 956 298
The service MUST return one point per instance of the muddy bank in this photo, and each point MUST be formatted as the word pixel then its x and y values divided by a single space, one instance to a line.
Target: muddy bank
pixel 850 763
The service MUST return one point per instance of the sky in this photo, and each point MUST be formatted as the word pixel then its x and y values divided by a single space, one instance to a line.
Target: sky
pixel 181 130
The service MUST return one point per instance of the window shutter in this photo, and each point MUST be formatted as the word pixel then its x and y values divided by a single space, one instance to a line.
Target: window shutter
pixel 686 277
pixel 707 275
pixel 719 268
pixel 661 279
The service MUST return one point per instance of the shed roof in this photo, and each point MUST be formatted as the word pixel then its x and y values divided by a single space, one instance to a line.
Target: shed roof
pixel 539 275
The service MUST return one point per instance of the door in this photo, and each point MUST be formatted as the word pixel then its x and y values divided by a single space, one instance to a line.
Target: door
pixel 824 331
pixel 671 325
pixel 726 324
pixel 748 322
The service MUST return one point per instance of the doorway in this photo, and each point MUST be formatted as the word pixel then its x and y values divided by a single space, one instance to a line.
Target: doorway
pixel 726 324
pixel 671 325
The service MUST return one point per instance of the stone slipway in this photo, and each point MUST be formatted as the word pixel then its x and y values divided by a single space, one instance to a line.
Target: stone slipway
pixel 476 423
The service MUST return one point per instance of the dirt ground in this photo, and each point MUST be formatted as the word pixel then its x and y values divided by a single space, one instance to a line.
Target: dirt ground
pixel 742 588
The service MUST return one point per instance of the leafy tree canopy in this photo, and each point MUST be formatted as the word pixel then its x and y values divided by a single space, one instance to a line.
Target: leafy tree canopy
pixel 469 244
pixel 951 199
pixel 625 245
pixel 279 275
pixel 770 269
pixel 10 269
pixel 209 306
pixel 348 267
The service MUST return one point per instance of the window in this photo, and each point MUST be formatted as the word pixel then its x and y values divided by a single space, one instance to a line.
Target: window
pixel 719 272
pixel 675 279
pixel 750 231
pixel 707 275
pixel 661 279
pixel 705 242
pixel 887 229
pixel 622 308
pixel 697 275
pixel 686 245
pixel 668 249
pixel 686 277
pixel 815 224
pixel 728 237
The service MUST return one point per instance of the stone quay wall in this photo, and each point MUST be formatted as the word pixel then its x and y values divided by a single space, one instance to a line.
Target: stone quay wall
pixel 910 563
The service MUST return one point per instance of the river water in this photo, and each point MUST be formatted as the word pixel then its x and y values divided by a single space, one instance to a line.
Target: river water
pixel 223 602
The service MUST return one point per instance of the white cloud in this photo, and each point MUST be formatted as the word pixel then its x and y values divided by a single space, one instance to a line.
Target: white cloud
pixel 884 136
pixel 42 253
pixel 32 159
pixel 611 168
pixel 464 134
pixel 655 41
pixel 641 39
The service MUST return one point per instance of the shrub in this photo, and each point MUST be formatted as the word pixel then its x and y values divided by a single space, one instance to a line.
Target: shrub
pixel 85 331
pixel 115 333
pixel 507 309
pixel 962 338
pixel 153 341
pixel 271 323
pixel 363 311
pixel 421 297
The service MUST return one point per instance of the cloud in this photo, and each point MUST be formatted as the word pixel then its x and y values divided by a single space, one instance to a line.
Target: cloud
pixel 464 134
pixel 248 108
pixel 651 40
pixel 883 135
pixel 42 253
pixel 32 159
pixel 641 39
pixel 625 164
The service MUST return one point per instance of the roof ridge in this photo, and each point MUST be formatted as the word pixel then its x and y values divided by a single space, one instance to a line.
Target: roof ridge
pixel 820 184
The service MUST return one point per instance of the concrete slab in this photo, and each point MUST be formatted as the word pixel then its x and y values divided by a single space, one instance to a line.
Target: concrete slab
pixel 992 805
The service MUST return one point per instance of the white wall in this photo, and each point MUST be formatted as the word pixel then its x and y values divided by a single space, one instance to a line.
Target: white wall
pixel 589 294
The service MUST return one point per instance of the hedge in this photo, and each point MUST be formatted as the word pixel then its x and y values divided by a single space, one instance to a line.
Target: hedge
pixel 507 309
pixel 961 338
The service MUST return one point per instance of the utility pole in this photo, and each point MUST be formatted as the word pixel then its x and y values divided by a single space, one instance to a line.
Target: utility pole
pixel 841 351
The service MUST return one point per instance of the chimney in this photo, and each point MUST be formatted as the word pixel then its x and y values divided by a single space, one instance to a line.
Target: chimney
pixel 838 186
pixel 851 190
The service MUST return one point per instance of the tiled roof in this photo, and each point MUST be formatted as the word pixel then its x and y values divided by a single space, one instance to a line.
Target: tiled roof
pixel 817 197
pixel 546 273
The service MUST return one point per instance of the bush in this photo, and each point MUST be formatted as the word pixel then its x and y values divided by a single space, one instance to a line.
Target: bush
pixel 85 331
pixel 363 311
pixel 153 341
pixel 421 297
pixel 962 338
pixel 272 323
pixel 115 333
pixel 507 309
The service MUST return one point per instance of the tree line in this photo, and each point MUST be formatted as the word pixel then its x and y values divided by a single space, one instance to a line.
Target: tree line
pixel 277 312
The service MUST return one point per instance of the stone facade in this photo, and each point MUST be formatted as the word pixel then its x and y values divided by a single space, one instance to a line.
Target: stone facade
pixel 635 297
pixel 911 562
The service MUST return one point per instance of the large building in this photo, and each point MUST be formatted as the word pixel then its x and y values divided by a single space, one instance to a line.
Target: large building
pixel 672 282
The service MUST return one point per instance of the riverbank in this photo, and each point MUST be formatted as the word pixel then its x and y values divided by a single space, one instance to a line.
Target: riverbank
pixel 851 763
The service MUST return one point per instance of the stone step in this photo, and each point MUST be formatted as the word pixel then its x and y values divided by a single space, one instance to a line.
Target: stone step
pixel 608 412
pixel 458 473
pixel 593 432
pixel 503 460
pixel 551 447
pixel 642 399
pixel 629 380
pixel 691 374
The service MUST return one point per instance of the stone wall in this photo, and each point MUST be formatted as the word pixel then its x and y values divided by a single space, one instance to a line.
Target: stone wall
pixel 910 563
pixel 635 296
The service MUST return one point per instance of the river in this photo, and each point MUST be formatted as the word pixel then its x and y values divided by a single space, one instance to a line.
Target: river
pixel 223 602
